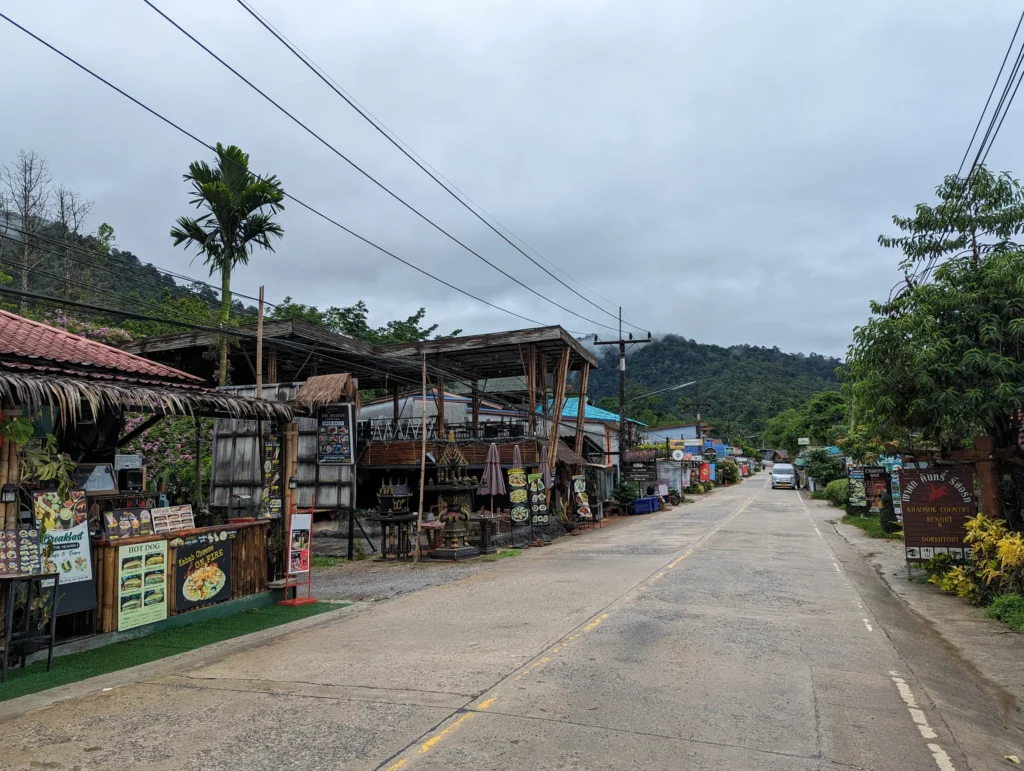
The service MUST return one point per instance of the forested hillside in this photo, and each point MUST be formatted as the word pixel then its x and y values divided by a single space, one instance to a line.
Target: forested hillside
pixel 740 387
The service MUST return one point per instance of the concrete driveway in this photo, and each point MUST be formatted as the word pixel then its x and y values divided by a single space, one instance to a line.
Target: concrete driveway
pixel 735 633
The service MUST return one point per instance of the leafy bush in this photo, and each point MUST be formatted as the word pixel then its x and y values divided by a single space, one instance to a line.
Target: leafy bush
pixel 996 566
pixel 887 517
pixel 824 468
pixel 708 486
pixel 625 493
pixel 837 492
pixel 728 472
pixel 1008 608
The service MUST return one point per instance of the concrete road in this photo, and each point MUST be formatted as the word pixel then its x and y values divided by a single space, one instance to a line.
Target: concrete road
pixel 735 633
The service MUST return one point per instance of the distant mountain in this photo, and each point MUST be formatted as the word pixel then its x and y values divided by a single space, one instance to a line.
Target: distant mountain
pixel 740 387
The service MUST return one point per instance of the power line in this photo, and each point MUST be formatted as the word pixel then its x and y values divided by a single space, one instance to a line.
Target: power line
pixel 413 156
pixel 366 174
pixel 301 203
pixel 987 140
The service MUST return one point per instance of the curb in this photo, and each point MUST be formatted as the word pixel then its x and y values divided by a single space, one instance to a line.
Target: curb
pixel 199 657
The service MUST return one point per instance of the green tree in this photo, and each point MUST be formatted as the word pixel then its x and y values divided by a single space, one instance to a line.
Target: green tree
pixel 239 210
pixel 944 360
pixel 353 321
pixel 825 415
pixel 783 431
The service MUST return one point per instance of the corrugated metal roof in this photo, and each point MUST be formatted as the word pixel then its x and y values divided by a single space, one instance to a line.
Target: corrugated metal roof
pixel 571 410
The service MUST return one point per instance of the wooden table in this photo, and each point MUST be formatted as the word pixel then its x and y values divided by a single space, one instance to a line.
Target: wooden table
pixel 26 633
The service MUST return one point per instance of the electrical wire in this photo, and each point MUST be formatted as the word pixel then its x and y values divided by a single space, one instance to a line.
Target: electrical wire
pixel 412 156
pixel 369 176
pixel 988 139
pixel 298 201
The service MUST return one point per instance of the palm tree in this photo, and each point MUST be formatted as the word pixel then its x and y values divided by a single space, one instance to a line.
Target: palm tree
pixel 239 210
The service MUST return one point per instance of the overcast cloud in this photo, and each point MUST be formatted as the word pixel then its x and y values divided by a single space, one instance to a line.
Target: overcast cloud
pixel 721 169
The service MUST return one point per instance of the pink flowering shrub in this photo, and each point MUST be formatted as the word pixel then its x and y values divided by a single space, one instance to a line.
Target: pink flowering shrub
pixel 113 336
pixel 168 449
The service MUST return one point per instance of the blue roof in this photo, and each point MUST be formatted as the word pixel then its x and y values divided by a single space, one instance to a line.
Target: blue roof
pixel 570 410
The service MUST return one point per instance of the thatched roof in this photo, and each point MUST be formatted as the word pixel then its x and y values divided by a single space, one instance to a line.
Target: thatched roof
pixel 72 397
pixel 43 366
pixel 326 389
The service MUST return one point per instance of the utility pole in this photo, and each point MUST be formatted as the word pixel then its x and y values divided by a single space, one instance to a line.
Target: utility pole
pixel 696 401
pixel 621 342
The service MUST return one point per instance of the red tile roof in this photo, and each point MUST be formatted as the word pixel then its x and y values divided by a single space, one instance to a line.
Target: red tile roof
pixel 30 346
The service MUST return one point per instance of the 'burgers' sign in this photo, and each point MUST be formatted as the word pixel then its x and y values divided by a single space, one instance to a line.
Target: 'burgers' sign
pixel 936 503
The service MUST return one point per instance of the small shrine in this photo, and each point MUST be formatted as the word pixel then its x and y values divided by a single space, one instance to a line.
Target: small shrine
pixel 396 521
pixel 455 492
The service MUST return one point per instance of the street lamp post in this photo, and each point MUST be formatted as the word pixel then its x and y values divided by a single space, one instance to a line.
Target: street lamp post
pixel 661 391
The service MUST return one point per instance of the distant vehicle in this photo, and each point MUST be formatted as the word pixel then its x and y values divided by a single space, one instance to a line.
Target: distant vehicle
pixel 783 476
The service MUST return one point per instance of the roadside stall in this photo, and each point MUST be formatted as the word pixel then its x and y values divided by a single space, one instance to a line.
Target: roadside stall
pixel 85 510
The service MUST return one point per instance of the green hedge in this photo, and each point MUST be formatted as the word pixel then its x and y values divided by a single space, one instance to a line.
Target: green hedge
pixel 837 492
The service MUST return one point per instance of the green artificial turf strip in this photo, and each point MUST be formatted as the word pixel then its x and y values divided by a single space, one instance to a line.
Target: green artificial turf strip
pixel 158 645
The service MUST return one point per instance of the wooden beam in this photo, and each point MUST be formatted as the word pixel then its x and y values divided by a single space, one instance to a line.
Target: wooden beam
pixel 581 406
pixel 272 366
pixel 531 388
pixel 475 396
pixel 439 401
pixel 394 404
pixel 543 366
pixel 561 376
pixel 988 476
pixel 145 426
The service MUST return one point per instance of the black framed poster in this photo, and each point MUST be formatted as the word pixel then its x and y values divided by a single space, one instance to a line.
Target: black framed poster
pixel 335 436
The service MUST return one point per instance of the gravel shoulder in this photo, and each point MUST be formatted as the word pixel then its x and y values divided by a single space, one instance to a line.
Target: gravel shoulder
pixel 371 580
pixel 991 648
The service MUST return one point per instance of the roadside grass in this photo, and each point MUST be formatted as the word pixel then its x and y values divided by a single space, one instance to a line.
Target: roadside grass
pixel 324 561
pixel 501 555
pixel 872 526
pixel 158 645
pixel 1008 608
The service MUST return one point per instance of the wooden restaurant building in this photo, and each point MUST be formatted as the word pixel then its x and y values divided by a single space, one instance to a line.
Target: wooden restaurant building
pixel 506 388
pixel 124 561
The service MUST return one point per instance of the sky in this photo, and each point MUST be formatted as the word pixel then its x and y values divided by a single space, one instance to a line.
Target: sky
pixel 719 168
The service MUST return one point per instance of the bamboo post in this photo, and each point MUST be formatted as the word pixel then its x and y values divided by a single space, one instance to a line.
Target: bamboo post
pixel 423 463
pixel 531 388
pixel 561 375
pixel 14 478
pixel 581 408
pixel 259 348
pixel 5 464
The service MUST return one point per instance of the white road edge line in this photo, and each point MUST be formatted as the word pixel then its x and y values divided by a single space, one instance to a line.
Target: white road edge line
pixel 868 625
pixel 942 760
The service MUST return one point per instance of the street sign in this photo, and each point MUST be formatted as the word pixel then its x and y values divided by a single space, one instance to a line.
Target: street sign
pixel 804 441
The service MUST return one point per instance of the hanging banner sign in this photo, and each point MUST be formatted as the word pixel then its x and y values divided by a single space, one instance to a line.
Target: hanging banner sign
pixel 270 504
pixel 65 528
pixel 857 495
pixel 334 436
pixel 538 499
pixel 298 543
pixel 582 500
pixel 142 584
pixel 936 504
pixel 518 495
pixel 875 488
pixel 202 570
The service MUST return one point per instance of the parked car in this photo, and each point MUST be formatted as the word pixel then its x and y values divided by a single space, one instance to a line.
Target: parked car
pixel 784 476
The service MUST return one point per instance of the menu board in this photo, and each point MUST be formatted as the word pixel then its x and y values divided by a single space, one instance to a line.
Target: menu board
pixel 580 497
pixel 20 551
pixel 142 584
pixel 64 525
pixel 270 503
pixel 127 523
pixel 202 570
pixel 538 499
pixel 857 495
pixel 167 519
pixel 936 504
pixel 298 542
pixel 334 435
pixel 875 488
pixel 518 495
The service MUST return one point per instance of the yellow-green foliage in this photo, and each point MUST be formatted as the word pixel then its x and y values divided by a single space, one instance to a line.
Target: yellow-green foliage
pixel 996 566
